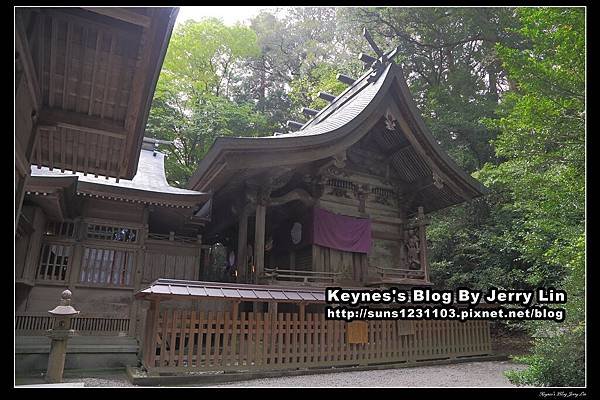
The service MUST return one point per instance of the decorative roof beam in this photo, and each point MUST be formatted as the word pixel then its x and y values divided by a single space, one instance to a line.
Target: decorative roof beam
pixel 345 79
pixel 372 43
pixel 295 124
pixel 367 59
pixel 327 96
pixel 309 111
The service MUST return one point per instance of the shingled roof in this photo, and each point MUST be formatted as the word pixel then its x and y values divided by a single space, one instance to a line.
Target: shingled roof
pixel 379 93
pixel 149 185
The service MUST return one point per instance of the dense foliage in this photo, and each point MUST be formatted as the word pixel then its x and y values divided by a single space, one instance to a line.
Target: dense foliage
pixel 502 90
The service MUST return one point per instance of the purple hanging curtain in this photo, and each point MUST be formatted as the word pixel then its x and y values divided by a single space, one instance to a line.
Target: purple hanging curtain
pixel 341 232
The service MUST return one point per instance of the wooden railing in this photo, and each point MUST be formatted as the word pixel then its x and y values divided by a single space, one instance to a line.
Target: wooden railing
pixel 276 274
pixel 176 238
pixel 35 324
pixel 188 340
pixel 399 273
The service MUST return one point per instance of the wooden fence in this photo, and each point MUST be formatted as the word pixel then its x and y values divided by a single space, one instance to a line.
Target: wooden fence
pixel 211 341
pixel 35 324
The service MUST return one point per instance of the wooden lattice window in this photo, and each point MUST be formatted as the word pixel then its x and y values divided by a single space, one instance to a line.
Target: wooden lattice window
pixel 113 233
pixel 341 184
pixel 54 261
pixel 60 229
pixel 107 267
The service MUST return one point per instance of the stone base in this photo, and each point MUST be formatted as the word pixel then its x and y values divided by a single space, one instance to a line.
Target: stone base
pixel 83 352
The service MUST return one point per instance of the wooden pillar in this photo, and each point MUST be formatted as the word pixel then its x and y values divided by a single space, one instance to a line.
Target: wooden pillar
pixel 134 311
pixel 259 236
pixel 77 256
pixel 423 242
pixel 272 308
pixel 150 333
pixel 34 246
pixel 242 263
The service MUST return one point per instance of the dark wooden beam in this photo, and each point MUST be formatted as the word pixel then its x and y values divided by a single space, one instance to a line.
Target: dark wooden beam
pixel 25 57
pixel 296 194
pixel 367 59
pixel 345 79
pixel 309 111
pixel 372 43
pixel 52 117
pixel 122 15
pixel 327 96
pixel 295 125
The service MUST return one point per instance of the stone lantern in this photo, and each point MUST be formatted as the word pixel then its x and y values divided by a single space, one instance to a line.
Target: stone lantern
pixel 59 334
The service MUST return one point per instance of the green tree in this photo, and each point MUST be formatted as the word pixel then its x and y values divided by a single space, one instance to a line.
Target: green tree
pixel 195 99
pixel 542 149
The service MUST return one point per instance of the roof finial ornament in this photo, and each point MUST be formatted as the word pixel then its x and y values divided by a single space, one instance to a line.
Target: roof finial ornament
pixel 372 43
pixel 383 59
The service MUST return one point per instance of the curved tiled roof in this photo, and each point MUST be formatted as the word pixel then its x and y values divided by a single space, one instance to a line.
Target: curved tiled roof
pixel 149 180
pixel 338 126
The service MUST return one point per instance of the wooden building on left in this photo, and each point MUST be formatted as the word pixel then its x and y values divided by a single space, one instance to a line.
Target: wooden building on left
pixel 91 205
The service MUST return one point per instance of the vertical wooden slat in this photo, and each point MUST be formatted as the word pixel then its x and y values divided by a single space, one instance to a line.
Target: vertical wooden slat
pixel 321 338
pixel 185 318
pixel 38 148
pixel 234 335
pixel 217 357
pixel 173 340
pixel 94 71
pixel 209 330
pixel 191 340
pixel 275 331
pixel 163 343
pixel 280 334
pixel 250 347
pixel 200 348
pixel 86 152
pixel 294 338
pixel 98 153
pixel 68 60
pixel 109 152
pixel 308 338
pixel 113 40
pixel 80 77
pixel 266 339
pixel 53 55
pixel 303 331
pixel 74 151
pixel 123 69
pixel 288 338
pixel 226 354
pixel 386 340
pixel 344 348
pixel 51 148
pixel 63 149
pixel 41 46
pixel 241 356
pixel 258 334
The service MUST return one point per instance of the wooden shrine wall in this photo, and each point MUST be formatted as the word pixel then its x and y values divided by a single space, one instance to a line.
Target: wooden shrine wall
pixel 358 194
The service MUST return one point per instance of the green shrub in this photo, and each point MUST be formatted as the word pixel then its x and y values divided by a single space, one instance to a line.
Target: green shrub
pixel 557 360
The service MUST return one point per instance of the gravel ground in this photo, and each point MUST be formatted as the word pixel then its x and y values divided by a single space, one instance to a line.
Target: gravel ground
pixel 476 374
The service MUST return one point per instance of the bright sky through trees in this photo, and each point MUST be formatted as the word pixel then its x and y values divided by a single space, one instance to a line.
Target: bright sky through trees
pixel 230 15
